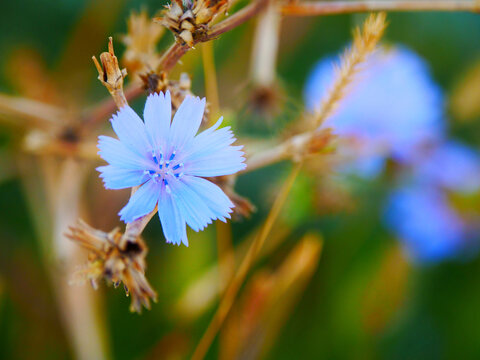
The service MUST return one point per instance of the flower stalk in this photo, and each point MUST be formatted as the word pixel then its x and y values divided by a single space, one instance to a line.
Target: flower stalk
pixel 316 8
pixel 228 298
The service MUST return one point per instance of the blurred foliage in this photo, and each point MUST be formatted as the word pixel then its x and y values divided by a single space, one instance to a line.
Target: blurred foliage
pixel 365 300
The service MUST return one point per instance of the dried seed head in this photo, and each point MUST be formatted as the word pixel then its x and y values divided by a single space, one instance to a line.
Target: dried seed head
pixel 109 260
pixel 141 39
pixel 110 75
pixel 191 21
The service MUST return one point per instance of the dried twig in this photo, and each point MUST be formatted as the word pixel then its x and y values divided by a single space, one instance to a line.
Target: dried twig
pixel 316 8
pixel 294 148
pixel 41 115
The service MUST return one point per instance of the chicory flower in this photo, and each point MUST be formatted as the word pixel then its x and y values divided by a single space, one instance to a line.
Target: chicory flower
pixel 169 161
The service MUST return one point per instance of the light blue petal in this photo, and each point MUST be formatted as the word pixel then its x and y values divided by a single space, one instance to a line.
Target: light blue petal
pixel 210 153
pixel 142 202
pixel 451 165
pixel 208 142
pixel 212 195
pixel 130 129
pixel 157 115
pixel 186 121
pixel 191 206
pixel 173 223
pixel 116 153
pixel 226 162
pixel 118 178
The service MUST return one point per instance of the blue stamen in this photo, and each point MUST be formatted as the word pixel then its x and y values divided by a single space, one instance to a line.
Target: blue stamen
pixel 154 157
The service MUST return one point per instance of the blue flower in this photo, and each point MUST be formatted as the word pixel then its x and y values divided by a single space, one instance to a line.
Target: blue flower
pixel 420 212
pixel 391 108
pixel 426 224
pixel 452 166
pixel 168 161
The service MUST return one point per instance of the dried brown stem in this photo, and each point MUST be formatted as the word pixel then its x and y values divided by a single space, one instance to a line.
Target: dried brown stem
pixel 40 143
pixel 295 148
pixel 316 8
pixel 236 19
pixel 77 306
pixel 171 57
pixel 43 115
pixel 283 151
pixel 265 46
pixel 230 294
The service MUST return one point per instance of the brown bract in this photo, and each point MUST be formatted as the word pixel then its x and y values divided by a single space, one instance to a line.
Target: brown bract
pixel 190 21
pixel 115 261
pixel 110 74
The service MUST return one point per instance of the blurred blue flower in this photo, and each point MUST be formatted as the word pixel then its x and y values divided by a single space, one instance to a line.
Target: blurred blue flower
pixel 450 165
pixel 390 109
pixel 420 213
pixel 168 160
pixel 425 223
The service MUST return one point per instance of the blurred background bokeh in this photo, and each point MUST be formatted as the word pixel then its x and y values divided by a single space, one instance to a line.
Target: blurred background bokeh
pixel 336 279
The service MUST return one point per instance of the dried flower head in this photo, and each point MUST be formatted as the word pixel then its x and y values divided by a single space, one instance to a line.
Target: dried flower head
pixel 141 39
pixel 110 74
pixel 109 260
pixel 190 20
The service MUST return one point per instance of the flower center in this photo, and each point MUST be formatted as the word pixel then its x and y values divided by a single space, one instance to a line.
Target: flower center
pixel 165 168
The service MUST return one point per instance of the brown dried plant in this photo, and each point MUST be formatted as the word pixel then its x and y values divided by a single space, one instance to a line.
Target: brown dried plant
pixel 110 259
pixel 190 20
pixel 141 40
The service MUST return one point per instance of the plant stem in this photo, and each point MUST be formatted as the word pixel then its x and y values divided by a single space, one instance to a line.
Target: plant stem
pixel 316 8
pixel 42 115
pixel 265 46
pixel 290 148
pixel 232 290
pixel 236 19
pixel 77 304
